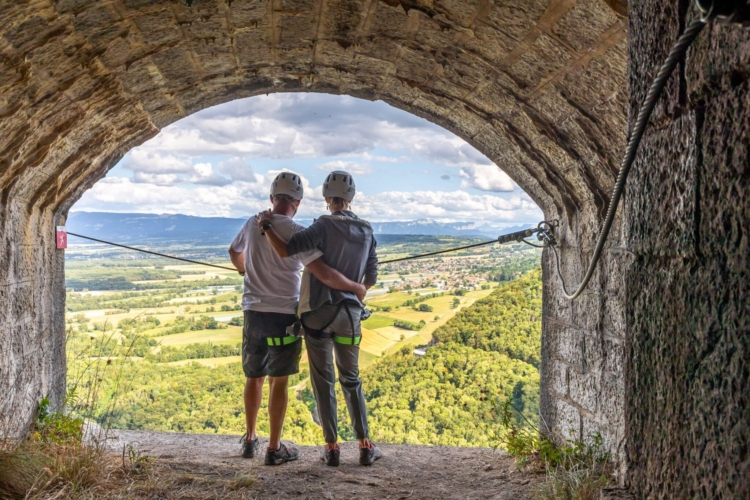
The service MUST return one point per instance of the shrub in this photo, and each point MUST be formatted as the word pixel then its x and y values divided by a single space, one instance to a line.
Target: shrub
pixel 408 325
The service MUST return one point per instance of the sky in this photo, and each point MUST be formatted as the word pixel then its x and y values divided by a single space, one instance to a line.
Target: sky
pixel 221 161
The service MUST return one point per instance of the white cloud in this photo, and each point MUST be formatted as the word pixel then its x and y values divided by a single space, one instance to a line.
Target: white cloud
pixel 181 169
pixel 140 160
pixel 486 178
pixel 384 159
pixel 244 199
pixel 353 168
pixel 239 170
pixel 310 125
pixel 156 179
pixel 204 174
pixel 454 205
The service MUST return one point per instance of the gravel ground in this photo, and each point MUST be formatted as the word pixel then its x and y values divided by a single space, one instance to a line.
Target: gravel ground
pixel 405 471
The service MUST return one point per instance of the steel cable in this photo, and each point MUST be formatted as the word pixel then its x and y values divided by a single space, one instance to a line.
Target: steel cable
pixel 153 253
pixel 678 51
pixel 411 257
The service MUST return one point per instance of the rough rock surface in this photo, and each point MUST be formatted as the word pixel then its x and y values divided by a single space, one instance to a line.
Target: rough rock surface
pixel 687 309
pixel 538 86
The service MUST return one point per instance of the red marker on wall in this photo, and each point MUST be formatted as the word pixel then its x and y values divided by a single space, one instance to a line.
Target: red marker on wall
pixel 61 238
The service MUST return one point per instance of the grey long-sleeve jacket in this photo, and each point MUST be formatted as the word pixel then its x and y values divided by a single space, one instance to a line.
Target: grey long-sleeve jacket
pixel 348 246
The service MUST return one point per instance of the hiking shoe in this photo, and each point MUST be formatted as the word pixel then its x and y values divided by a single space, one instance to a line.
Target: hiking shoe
pixel 249 448
pixel 330 457
pixel 367 456
pixel 282 455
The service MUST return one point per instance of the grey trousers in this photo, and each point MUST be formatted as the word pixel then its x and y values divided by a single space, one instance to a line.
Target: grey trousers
pixel 323 376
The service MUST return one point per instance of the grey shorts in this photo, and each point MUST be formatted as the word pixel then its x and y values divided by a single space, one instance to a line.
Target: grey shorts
pixel 260 359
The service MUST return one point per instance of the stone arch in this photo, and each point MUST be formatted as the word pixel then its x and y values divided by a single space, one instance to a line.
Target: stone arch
pixel 655 352
pixel 537 86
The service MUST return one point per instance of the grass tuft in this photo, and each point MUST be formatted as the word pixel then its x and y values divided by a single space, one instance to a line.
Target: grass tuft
pixel 36 469
pixel 577 470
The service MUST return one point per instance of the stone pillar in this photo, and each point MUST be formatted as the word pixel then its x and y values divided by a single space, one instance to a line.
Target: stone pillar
pixel 582 372
pixel 32 316
pixel 687 215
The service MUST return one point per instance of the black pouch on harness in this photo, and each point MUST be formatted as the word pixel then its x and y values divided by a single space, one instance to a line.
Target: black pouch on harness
pixel 353 339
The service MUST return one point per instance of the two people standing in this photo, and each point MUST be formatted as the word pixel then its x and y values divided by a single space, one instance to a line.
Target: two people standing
pixel 340 260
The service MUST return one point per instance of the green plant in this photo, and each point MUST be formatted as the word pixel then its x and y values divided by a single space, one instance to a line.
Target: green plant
pixel 134 461
pixel 576 470
pixel 57 427
pixel 581 471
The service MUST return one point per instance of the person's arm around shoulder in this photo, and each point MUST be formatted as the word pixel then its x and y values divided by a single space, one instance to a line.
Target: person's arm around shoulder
pixel 277 242
pixel 302 241
pixel 334 279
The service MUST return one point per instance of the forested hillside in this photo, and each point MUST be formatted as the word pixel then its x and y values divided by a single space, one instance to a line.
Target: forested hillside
pixel 447 397
pixel 487 352
pixel 508 321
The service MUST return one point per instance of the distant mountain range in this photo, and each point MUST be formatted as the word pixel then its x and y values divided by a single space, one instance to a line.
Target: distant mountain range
pixel 139 227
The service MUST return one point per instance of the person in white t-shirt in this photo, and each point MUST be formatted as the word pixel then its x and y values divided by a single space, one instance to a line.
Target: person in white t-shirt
pixel 269 302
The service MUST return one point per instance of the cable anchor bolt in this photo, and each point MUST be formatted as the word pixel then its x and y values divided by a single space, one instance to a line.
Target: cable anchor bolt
pixel 546 233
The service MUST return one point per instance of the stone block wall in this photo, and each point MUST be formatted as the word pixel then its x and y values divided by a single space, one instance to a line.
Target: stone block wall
pixel 583 341
pixel 32 308
pixel 687 213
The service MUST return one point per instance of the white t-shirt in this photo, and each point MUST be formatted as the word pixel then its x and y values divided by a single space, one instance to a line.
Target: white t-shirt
pixel 271 282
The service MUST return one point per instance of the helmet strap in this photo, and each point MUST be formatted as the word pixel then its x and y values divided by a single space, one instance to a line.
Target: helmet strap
pixel 276 201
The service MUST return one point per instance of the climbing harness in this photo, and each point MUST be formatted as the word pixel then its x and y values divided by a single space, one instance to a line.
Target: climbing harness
pixel 279 341
pixel 320 333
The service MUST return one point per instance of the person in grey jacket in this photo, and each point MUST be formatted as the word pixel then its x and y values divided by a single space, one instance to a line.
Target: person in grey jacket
pixel 331 318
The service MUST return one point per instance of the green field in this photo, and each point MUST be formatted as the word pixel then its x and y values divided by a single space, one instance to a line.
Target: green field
pixel 212 362
pixel 231 335
pixel 377 321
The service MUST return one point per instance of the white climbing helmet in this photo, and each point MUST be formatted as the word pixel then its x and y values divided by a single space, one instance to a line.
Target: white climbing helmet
pixel 289 184
pixel 339 184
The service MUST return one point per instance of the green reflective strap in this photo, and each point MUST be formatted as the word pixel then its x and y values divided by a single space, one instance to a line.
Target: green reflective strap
pixel 347 340
pixel 277 341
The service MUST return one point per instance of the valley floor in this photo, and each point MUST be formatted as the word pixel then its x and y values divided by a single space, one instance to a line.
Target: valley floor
pixel 210 466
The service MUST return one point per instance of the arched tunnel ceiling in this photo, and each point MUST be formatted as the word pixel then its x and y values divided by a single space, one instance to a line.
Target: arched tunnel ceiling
pixel 536 85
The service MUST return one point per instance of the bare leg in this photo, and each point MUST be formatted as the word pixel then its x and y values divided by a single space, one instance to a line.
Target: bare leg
pixel 277 401
pixel 253 397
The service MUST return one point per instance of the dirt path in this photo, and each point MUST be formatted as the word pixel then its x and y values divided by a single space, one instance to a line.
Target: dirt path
pixel 209 466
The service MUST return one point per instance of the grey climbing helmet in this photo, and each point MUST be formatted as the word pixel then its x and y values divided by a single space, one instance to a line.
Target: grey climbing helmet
pixel 289 184
pixel 339 184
